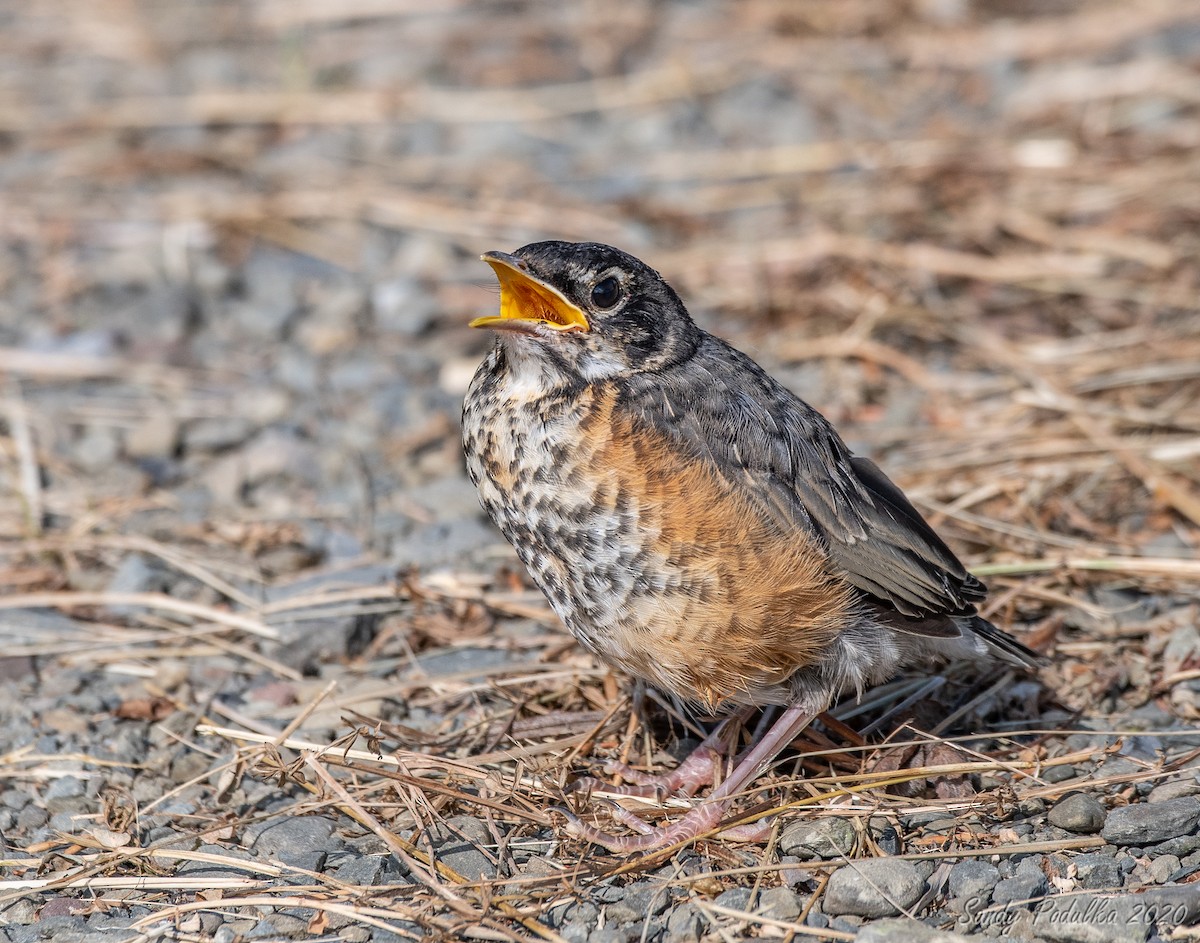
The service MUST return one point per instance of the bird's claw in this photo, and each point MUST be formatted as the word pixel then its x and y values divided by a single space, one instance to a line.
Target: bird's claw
pixel 703 818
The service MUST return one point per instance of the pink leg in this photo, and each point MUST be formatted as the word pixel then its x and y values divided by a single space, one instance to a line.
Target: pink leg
pixel 707 814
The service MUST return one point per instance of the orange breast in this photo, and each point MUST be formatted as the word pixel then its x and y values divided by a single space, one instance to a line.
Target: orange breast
pixel 732 602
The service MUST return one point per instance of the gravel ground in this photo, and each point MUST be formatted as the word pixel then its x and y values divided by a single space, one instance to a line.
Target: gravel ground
pixel 269 674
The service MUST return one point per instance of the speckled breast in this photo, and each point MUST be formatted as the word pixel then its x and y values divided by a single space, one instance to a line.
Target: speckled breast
pixel 651 560
pixel 532 458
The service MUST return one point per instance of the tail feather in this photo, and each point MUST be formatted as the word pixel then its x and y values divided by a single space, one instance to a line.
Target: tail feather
pixel 1003 645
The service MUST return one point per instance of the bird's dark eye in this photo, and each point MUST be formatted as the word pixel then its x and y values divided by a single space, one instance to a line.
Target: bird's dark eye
pixel 606 292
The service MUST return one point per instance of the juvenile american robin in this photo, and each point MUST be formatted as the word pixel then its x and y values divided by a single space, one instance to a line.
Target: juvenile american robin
pixel 693 522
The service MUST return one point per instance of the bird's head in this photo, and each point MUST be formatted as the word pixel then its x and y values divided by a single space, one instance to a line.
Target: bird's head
pixel 589 309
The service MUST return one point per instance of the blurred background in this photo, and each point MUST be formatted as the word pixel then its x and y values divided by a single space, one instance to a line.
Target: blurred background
pixel 239 240
pixel 239 247
pixel 239 244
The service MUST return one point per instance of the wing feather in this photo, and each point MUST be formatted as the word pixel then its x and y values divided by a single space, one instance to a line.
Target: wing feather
pixel 791 461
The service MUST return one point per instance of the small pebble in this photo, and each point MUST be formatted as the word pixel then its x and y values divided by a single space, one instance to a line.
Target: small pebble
pixel 1079 813
pixel 466 855
pixel 1059 774
pixel 287 834
pixel 826 837
pixel 780 903
pixel 1028 883
pixel 736 898
pixel 973 879
pixel 1162 867
pixel 640 901
pixel 1173 790
pixel 1145 824
pixel 1096 871
pixel 873 887
pixel 685 924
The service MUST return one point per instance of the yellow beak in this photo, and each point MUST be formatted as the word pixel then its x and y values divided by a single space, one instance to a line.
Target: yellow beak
pixel 527 302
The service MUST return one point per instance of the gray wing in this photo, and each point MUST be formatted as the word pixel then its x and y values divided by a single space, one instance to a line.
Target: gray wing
pixel 761 437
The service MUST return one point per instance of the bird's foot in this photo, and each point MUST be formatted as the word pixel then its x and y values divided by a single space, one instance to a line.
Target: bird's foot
pixel 701 768
pixel 703 818
pixel 699 821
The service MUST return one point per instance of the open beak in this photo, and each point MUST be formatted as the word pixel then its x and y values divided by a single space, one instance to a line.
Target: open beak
pixel 527 303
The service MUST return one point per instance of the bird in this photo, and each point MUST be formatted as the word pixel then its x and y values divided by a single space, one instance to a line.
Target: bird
pixel 693 522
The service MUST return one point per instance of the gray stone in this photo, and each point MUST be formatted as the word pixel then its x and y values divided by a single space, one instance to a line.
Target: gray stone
pixel 736 898
pixel 465 856
pixel 1029 883
pixel 791 875
pixel 20 913
pixel 444 542
pixel 905 931
pixel 15 798
pixel 1079 813
pixel 1119 766
pixel 685 924
pixel 330 580
pixel 461 661
pixel 1096 871
pixel 825 837
pixel 1183 644
pixel 228 933
pixel 1173 790
pixel 188 766
pixel 1150 824
pixel 291 834
pixel 780 903
pixel 31 817
pixel 70 821
pixel 578 913
pixel 575 932
pixel 973 879
pixel 1175 906
pixel 361 872
pixel 305 860
pixel 639 902
pixel 272 452
pixel 1181 846
pixel 59 928
pixel 278 926
pixel 1162 867
pixel 885 835
pixel 1059 774
pixel 65 787
pixel 1028 808
pixel 873 887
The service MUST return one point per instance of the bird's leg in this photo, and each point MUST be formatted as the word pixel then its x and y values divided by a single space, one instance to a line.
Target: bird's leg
pixel 701 768
pixel 708 813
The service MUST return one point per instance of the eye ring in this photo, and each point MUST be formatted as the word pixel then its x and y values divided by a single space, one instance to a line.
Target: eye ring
pixel 606 292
